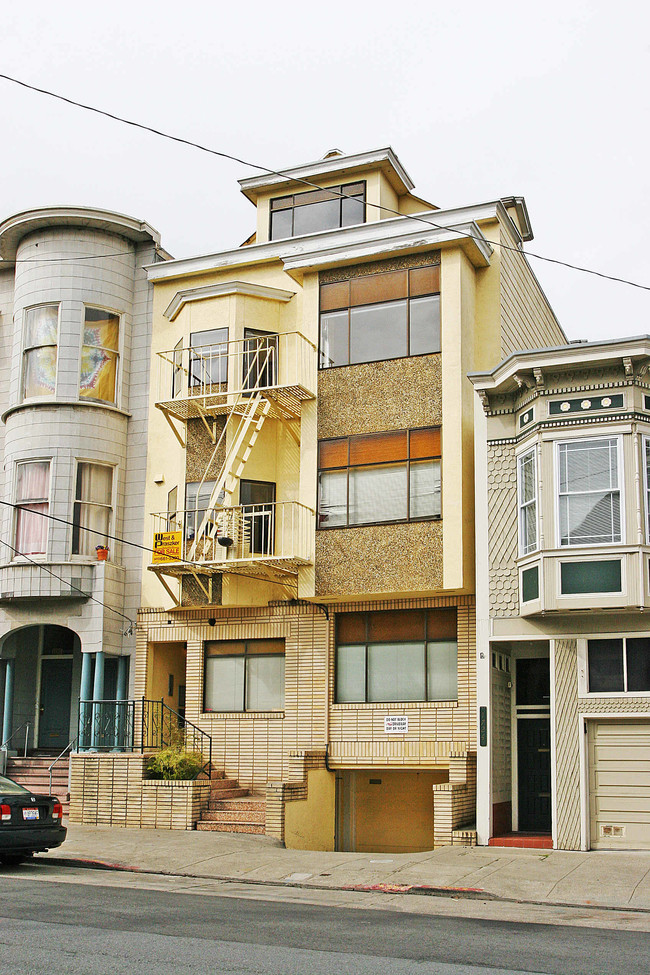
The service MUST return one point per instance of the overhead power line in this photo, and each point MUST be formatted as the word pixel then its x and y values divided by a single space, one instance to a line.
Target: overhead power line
pixel 286 175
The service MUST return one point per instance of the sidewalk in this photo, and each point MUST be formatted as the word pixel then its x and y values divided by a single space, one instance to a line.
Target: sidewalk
pixel 603 879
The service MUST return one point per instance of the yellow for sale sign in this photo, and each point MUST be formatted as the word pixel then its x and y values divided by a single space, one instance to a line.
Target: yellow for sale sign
pixel 167 547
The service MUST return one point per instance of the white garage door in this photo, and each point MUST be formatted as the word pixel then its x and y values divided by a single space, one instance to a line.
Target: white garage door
pixel 619 784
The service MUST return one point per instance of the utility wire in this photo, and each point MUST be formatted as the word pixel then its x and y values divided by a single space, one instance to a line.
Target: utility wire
pixel 298 179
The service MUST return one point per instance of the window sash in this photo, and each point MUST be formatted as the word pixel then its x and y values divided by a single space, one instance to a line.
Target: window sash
pixel 317 210
pixel 40 351
pixel 395 672
pixel 618 665
pixel 527 491
pixel 589 497
pixel 32 494
pixel 92 508
pixel 100 355
pixel 244 682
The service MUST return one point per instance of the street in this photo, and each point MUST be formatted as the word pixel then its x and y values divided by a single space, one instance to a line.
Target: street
pixel 62 919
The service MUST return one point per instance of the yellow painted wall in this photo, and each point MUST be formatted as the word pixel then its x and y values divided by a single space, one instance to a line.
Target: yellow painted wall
pixel 309 824
pixel 392 812
pixel 166 658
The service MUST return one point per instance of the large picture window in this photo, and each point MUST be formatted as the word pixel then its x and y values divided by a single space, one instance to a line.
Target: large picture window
pixel 40 351
pixel 316 210
pixel 100 356
pixel 527 492
pixel 396 656
pixel 589 492
pixel 92 508
pixel 379 477
pixel 244 675
pixel 619 665
pixel 389 315
pixel 32 494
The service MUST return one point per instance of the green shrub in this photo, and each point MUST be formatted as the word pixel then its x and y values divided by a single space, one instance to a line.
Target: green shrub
pixel 174 762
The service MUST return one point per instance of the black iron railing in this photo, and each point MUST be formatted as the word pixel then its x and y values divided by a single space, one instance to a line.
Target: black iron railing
pixel 138 726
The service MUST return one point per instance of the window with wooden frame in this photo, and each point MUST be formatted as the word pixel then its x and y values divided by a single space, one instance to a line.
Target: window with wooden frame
pixel 100 356
pixel 396 656
pixel 40 351
pixel 379 477
pixel 316 210
pixel 244 675
pixel 389 315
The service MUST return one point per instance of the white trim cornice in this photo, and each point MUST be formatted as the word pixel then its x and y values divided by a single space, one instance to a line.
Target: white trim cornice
pixel 181 298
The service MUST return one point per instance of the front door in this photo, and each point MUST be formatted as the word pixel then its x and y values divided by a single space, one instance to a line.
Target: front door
pixel 54 709
pixel 534 770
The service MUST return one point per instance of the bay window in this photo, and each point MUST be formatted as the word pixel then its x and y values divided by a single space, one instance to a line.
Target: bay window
pixel 527 495
pixel 40 351
pixel 244 675
pixel 589 492
pixel 100 356
pixel 32 496
pixel 91 522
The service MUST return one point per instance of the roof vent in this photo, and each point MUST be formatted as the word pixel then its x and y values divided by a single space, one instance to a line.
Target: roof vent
pixel 333 152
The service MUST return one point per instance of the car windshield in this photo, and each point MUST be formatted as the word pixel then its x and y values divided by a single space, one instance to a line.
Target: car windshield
pixel 9 787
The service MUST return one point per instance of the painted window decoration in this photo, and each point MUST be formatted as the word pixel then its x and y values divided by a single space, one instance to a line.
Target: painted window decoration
pixel 244 675
pixel 40 351
pixel 32 494
pixel 527 488
pixel 389 315
pixel 396 656
pixel 589 492
pixel 619 665
pixel 379 477
pixel 317 210
pixel 100 355
pixel 92 508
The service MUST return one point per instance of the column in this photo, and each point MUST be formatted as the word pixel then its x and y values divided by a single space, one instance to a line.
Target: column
pixel 85 694
pixel 8 716
pixel 123 722
pixel 96 734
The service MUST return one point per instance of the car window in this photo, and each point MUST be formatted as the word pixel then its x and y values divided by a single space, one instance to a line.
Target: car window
pixel 9 787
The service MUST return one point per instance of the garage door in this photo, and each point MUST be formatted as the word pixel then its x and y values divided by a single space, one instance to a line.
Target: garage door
pixel 619 784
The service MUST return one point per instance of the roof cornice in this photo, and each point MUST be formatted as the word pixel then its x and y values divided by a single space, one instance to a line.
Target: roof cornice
pixel 181 298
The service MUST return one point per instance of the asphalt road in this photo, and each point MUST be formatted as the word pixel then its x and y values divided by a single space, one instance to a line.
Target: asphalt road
pixel 104 924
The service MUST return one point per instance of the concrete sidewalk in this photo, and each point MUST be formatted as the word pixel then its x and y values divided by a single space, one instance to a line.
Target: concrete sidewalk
pixel 603 879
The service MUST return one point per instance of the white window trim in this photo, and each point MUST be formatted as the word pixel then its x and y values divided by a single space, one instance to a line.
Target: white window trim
pixel 621 491
pixel 531 449
pixel 583 672
pixel 77 557
pixel 15 557
pixel 645 442
pixel 22 398
pixel 117 403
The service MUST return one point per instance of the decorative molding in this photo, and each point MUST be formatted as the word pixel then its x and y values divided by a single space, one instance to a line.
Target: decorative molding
pixel 539 377
pixel 182 298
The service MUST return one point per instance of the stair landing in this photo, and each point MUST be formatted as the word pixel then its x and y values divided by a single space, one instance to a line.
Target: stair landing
pixel 527 841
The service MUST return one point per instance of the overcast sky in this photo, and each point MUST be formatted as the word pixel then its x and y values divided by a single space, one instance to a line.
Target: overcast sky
pixel 548 101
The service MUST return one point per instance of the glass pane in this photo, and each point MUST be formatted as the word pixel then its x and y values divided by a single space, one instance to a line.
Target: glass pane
pixel 209 357
pixel 196 504
pixel 588 465
pixel 372 288
pixel 376 448
pixel 424 489
pixel 424 323
pixel 527 486
pixel 605 665
pixel 396 626
pixel 264 683
pixel 351 628
pixel 529 528
pixel 39 378
pixel 584 577
pixel 350 674
pixel 316 216
pixel 31 530
pixel 442 671
pixel 334 339
pixel 396 672
pixel 102 328
pixel 94 483
pixel 332 499
pixel 589 519
pixel 91 527
pixel 378 332
pixel 424 280
pixel 98 374
pixel 41 325
pixel 353 211
pixel 638 664
pixel 224 684
pixel 377 494
pixel 424 443
pixel 530 584
pixel 32 481
pixel 281 223
pixel 333 453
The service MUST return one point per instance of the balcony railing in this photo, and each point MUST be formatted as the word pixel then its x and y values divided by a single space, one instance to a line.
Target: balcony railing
pixel 209 378
pixel 223 539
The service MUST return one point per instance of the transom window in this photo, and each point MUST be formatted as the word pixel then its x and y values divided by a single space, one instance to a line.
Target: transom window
pixel 40 351
pixel 619 665
pixel 589 492
pixel 527 490
pixel 379 477
pixel 388 315
pixel 32 494
pixel 92 508
pixel 100 355
pixel 308 213
pixel 244 675
pixel 396 655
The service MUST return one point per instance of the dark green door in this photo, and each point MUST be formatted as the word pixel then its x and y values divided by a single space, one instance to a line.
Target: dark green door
pixel 534 769
pixel 54 717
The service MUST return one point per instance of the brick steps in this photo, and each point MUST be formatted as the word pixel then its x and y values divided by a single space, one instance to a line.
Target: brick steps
pixel 250 828
pixel 221 794
pixel 231 808
pixel 33 774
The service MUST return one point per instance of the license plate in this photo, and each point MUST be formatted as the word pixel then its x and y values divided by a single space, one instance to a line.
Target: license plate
pixel 30 813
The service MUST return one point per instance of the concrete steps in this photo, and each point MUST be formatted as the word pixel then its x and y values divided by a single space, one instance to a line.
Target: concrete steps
pixel 232 809
pixel 32 772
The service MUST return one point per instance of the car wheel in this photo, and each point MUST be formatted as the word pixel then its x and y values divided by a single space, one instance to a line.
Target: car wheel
pixel 13 859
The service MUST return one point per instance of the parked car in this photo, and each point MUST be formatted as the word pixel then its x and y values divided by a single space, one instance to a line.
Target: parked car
pixel 29 823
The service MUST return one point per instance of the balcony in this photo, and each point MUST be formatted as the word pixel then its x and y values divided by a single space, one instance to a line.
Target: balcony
pixel 215 379
pixel 276 536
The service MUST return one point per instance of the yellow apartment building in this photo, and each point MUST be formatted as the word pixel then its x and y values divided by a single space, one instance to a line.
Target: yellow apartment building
pixel 309 603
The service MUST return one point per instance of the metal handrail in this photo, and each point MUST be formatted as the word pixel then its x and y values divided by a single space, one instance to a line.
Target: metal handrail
pixel 26 725
pixel 182 724
pixel 70 744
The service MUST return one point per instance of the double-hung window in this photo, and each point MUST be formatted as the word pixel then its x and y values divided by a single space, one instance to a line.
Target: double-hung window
pixel 317 210
pixel 40 351
pixel 100 356
pixel 589 491
pixel 388 315
pixel 93 511
pixel 379 477
pixel 208 357
pixel 244 675
pixel 646 452
pixel 32 497
pixel 396 655
pixel 527 493
pixel 619 665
